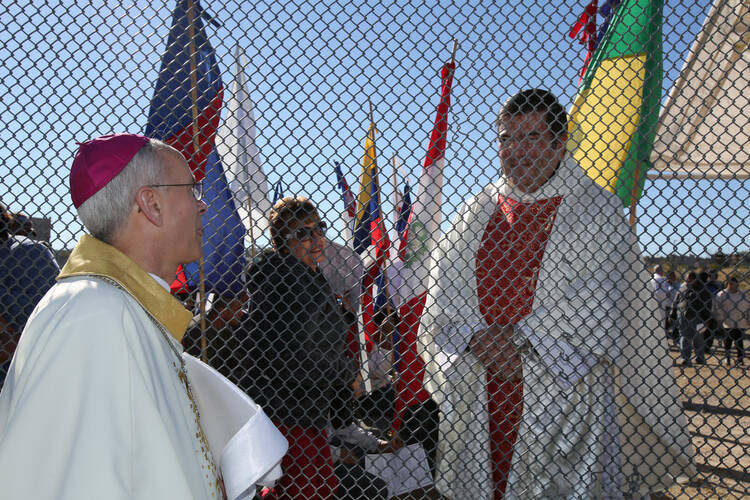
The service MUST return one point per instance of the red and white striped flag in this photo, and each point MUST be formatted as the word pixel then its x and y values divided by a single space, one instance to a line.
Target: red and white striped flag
pixel 423 231
pixel 409 278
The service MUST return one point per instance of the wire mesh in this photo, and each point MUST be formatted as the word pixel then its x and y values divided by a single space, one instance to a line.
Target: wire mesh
pixel 489 293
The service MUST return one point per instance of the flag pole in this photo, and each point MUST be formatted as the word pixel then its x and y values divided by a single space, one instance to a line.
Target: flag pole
pixel 394 182
pixel 252 234
pixel 386 284
pixel 196 145
pixel 634 194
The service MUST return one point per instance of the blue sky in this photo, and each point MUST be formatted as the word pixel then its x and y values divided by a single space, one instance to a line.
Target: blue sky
pixel 74 72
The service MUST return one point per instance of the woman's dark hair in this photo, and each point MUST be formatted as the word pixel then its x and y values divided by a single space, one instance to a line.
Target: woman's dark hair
pixel 6 223
pixel 287 214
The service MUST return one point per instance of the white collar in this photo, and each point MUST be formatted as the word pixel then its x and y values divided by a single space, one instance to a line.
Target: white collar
pixel 163 283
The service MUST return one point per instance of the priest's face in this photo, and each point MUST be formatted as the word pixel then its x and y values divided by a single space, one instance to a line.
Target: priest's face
pixel 529 152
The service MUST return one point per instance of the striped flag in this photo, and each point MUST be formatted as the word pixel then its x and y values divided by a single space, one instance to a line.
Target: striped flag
pixel 402 223
pixel 369 228
pixel 241 156
pixel 278 193
pixel 184 113
pixel 614 117
pixel 418 238
pixel 350 204
pixel 423 229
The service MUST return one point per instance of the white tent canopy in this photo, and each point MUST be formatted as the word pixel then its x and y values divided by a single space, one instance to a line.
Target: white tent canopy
pixel 704 126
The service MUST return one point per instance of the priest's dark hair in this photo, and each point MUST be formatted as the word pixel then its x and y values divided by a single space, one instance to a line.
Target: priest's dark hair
pixel 537 100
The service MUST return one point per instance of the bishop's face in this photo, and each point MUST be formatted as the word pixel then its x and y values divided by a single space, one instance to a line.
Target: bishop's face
pixel 182 211
pixel 529 153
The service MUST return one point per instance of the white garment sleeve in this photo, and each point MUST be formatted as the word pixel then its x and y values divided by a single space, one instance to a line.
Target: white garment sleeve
pixel 452 341
pixel 566 363
pixel 580 318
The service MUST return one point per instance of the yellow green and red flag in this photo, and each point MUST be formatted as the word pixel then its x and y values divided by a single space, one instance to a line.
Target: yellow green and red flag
pixel 614 117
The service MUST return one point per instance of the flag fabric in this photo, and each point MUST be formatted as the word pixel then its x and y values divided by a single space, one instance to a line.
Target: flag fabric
pixel 383 300
pixel 350 204
pixel 614 117
pixel 241 157
pixel 369 228
pixel 402 222
pixel 184 113
pixel 586 26
pixel 410 380
pixel 418 238
pixel 424 222
pixel 278 193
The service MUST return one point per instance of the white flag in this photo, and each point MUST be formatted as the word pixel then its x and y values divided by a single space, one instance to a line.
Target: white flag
pixel 241 157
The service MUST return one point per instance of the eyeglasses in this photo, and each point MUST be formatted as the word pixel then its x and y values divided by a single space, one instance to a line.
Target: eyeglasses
pixel 197 188
pixel 307 233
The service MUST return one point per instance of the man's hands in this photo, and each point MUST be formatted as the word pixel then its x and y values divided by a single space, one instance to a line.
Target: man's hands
pixel 493 347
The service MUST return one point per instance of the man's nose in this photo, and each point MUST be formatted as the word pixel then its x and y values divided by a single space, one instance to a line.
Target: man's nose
pixel 518 148
pixel 202 207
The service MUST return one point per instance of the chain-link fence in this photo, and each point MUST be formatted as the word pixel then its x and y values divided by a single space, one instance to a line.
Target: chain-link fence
pixel 492 292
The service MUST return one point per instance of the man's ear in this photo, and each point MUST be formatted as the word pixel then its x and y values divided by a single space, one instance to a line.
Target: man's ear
pixel 150 205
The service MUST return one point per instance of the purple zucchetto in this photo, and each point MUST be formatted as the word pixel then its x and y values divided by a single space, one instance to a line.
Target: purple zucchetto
pixel 99 160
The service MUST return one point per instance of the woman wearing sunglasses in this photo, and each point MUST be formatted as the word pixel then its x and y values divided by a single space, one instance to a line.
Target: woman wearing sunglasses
pixel 301 367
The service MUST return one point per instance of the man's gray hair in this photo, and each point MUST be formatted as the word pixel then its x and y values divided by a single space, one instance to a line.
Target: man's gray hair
pixel 106 211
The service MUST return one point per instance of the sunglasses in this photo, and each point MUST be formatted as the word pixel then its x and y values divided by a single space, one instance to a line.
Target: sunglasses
pixel 304 233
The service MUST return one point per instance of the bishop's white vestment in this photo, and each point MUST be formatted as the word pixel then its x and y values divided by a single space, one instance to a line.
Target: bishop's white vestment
pixel 601 410
pixel 97 404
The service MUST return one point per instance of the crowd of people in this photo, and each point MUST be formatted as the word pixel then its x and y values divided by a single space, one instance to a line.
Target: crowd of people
pixel 701 311
pixel 27 270
pixel 538 369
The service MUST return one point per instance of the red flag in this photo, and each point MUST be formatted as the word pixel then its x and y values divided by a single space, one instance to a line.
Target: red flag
pixel 420 237
pixel 587 22
pixel 410 382
pixel 424 221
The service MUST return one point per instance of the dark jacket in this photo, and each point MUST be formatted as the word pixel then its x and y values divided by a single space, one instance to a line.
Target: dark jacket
pixel 694 302
pixel 298 333
pixel 226 349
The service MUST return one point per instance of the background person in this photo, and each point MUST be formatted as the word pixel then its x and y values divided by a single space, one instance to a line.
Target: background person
pixel 226 338
pixel 27 270
pixel 694 305
pixel 733 310
pixel 298 331
pixel 661 289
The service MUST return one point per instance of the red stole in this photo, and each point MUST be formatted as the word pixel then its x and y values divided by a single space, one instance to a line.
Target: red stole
pixel 507 268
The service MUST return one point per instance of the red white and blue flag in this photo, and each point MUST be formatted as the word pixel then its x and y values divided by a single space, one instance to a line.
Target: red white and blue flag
pixel 348 216
pixel 185 113
pixel 346 194
pixel 402 223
